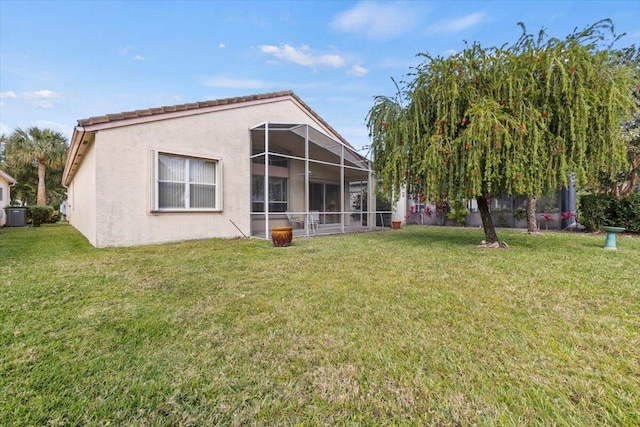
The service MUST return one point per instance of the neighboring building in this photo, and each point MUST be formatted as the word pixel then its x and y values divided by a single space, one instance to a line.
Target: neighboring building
pixel 503 210
pixel 197 171
pixel 6 181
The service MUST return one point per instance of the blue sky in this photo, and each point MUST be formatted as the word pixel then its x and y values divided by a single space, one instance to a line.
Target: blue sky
pixel 61 61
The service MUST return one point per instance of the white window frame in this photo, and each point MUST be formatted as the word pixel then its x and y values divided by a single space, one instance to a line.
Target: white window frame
pixel 155 181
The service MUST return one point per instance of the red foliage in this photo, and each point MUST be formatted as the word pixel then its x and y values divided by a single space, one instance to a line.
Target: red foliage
pixel 566 215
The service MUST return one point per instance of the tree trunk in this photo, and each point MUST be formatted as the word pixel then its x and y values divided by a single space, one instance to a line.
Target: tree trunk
pixel 626 187
pixel 41 198
pixel 490 235
pixel 532 224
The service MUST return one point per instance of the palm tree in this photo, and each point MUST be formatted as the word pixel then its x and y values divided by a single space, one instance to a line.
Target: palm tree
pixel 41 148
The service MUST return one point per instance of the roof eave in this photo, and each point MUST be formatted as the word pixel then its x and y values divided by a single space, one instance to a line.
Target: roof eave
pixel 75 152
pixel 8 177
pixel 93 124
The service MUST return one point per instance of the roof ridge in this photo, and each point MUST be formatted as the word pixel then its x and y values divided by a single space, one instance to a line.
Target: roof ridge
pixel 153 111
pixel 113 117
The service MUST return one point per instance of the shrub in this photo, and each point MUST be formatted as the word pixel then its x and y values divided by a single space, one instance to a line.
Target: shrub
pixel 519 213
pixel 55 216
pixel 632 212
pixel 597 210
pixel 39 214
pixel 458 212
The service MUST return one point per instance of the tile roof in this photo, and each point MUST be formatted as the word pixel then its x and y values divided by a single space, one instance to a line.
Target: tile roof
pixel 110 118
pixel 181 107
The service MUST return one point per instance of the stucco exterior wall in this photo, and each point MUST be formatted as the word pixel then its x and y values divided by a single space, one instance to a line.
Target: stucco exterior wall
pixel 123 179
pixel 5 198
pixel 81 196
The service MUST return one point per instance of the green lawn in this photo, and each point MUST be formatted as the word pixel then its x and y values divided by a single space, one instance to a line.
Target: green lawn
pixel 404 327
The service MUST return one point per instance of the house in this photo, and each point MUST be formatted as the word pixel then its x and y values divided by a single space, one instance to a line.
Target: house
pixel 202 170
pixel 506 211
pixel 6 181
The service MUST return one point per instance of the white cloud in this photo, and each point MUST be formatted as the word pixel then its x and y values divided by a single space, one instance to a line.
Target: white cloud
pixel 46 94
pixel 40 98
pixel 222 45
pixel 125 50
pixel 377 20
pixel 303 56
pixel 457 25
pixel 9 95
pixel 129 50
pixel 358 71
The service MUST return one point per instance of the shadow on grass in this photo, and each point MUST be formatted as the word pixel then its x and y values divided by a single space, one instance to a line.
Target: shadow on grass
pixel 472 237
pixel 443 236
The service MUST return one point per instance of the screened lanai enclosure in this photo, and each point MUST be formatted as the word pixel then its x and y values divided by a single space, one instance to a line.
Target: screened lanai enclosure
pixel 313 183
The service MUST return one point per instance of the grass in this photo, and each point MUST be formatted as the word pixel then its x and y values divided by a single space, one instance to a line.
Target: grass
pixel 405 327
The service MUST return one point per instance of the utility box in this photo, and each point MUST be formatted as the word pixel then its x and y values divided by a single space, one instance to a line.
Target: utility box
pixel 16 217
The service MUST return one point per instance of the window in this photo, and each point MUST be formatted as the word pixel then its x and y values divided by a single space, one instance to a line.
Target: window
pixel 277 194
pixel 186 183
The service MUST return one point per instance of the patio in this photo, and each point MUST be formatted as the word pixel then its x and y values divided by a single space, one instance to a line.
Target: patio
pixel 307 172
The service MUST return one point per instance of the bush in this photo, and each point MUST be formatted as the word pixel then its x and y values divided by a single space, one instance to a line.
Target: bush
pixel 519 213
pixel 632 212
pixel 597 210
pixel 39 214
pixel 55 217
pixel 458 213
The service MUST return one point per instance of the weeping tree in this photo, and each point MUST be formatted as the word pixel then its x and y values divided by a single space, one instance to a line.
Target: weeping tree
pixel 515 119
pixel 37 151
pixel 627 180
